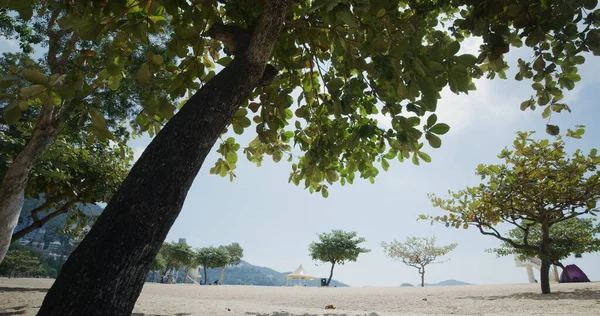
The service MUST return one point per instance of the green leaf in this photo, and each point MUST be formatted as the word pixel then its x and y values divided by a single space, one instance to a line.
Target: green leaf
pixel 34 76
pixel 12 114
pixel 27 92
pixel 546 112
pixel 431 120
pixel 224 61
pixel 452 49
pixel 552 129
pixel 440 129
pixel 385 164
pixel 98 120
pixel 380 13
pixel 143 74
pixel 424 156
pixel 157 60
pixel 433 140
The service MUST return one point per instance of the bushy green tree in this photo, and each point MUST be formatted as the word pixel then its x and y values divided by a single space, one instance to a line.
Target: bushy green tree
pixel 210 258
pixel 177 256
pixel 236 252
pixel 539 186
pixel 348 59
pixel 337 247
pixel 575 236
pixel 417 252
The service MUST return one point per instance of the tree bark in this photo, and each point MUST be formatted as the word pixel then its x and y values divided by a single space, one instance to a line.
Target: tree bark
pixel 12 190
pixel 330 273
pixel 105 273
pixel 205 275
pixel 422 272
pixel 222 276
pixel 545 257
pixel 40 223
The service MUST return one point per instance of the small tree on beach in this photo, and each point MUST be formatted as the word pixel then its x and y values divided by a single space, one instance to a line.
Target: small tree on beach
pixel 539 185
pixel 417 252
pixel 337 247
pixel 575 236
pixel 211 258
pixel 177 256
pixel 236 252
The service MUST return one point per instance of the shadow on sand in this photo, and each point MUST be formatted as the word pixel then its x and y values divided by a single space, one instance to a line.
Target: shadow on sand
pixel 142 314
pixel 282 313
pixel 578 294
pixel 22 289
pixel 17 311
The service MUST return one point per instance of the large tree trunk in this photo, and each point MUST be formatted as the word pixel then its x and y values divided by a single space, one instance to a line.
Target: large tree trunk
pixel 105 273
pixel 12 190
pixel 422 272
pixel 545 257
pixel 330 273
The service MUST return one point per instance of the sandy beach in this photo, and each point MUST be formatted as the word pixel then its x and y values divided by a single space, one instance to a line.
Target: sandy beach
pixel 24 296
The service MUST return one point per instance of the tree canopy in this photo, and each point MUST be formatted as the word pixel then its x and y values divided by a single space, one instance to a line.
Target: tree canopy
pixel 337 247
pixel 575 236
pixel 341 61
pixel 417 252
pixel 236 252
pixel 539 185
pixel 212 257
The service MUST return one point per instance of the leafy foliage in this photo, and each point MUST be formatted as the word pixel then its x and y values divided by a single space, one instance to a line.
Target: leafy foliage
pixel 540 185
pixel 212 257
pixel 340 62
pixel 176 256
pixel 575 236
pixel 337 247
pixel 236 253
pixel 417 252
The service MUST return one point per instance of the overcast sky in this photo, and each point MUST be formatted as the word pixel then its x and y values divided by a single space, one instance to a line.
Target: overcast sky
pixel 275 221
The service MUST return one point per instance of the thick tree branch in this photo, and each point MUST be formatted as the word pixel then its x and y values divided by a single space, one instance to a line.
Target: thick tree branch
pixel 40 223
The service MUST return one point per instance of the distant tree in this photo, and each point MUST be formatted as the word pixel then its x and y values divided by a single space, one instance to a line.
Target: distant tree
pixel 417 252
pixel 575 236
pixel 20 261
pixel 158 265
pixel 177 256
pixel 337 247
pixel 539 185
pixel 236 252
pixel 210 258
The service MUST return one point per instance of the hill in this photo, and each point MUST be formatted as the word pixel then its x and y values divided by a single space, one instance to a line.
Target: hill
pixel 448 283
pixel 59 222
pixel 249 274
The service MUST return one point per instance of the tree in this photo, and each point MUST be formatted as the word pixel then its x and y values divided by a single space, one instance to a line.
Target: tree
pixel 417 252
pixel 20 261
pixel 211 258
pixel 177 256
pixel 539 185
pixel 69 174
pixel 348 59
pixel 159 265
pixel 60 95
pixel 236 252
pixel 337 247
pixel 575 236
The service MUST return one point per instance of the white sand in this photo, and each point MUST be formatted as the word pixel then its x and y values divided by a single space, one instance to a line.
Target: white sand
pixel 24 296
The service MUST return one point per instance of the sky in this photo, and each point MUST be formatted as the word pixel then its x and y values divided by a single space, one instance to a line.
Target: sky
pixel 275 221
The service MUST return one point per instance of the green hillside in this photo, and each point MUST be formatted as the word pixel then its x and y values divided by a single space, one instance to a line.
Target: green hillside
pixel 56 224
